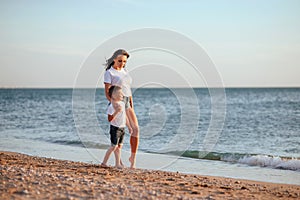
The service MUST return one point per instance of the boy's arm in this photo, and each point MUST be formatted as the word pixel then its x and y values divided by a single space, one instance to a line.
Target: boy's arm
pixel 111 117
pixel 116 111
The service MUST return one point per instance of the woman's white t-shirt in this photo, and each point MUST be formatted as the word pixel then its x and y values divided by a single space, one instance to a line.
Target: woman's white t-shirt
pixel 119 78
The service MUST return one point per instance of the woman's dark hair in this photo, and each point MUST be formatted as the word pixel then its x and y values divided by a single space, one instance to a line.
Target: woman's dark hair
pixel 110 62
pixel 112 89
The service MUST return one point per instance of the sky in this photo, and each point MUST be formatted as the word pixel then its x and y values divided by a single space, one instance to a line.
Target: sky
pixel 252 43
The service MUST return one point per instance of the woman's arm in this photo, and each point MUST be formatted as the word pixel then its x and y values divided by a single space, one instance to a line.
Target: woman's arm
pixel 106 89
pixel 131 102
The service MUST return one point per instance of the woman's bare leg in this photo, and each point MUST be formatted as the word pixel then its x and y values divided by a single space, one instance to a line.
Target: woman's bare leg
pixel 134 138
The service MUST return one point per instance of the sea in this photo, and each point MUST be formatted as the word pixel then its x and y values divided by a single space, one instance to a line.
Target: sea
pixel 254 134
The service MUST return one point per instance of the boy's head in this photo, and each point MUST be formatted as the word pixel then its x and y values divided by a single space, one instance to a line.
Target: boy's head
pixel 115 93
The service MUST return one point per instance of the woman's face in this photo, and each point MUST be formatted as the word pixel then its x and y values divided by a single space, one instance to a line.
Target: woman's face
pixel 120 61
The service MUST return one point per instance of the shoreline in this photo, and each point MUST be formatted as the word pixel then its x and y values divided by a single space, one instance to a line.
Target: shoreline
pixel 145 160
pixel 31 177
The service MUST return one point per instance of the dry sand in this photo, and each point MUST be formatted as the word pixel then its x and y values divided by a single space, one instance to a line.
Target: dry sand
pixel 28 177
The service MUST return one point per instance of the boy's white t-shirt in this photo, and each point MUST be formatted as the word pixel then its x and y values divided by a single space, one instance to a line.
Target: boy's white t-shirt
pixel 119 78
pixel 120 119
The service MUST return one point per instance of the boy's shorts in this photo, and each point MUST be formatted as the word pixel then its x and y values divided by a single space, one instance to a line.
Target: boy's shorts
pixel 116 135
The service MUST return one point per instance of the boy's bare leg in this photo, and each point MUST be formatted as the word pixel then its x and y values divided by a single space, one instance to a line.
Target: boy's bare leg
pixel 120 149
pixel 107 155
pixel 118 158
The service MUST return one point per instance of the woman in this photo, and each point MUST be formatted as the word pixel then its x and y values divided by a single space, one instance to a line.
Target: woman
pixel 116 74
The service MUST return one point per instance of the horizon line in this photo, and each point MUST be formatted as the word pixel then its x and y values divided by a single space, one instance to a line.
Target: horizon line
pixel 226 87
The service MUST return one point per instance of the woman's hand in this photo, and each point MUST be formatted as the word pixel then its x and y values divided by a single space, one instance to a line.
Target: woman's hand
pixel 130 130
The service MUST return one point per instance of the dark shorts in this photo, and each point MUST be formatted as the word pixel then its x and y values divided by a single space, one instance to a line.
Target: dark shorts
pixel 116 135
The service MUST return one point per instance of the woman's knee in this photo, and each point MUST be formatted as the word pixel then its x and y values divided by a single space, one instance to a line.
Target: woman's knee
pixel 135 130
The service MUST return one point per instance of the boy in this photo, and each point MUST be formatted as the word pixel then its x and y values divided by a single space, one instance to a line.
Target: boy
pixel 118 120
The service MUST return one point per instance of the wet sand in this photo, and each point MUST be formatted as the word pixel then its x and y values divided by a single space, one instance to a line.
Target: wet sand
pixel 29 177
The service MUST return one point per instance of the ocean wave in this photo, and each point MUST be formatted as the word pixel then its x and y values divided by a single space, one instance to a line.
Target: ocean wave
pixel 276 162
pixel 78 143
pixel 68 142
pixel 271 161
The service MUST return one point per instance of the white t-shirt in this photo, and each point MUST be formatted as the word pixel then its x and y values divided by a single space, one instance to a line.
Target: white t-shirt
pixel 120 119
pixel 119 78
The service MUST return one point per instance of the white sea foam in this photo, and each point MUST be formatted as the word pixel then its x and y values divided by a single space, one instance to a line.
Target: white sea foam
pixel 273 162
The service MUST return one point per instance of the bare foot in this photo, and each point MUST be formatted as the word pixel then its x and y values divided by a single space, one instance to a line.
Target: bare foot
pixel 104 165
pixel 119 167
pixel 121 163
pixel 132 161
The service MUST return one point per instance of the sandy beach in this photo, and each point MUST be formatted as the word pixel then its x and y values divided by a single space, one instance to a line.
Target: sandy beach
pixel 28 177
